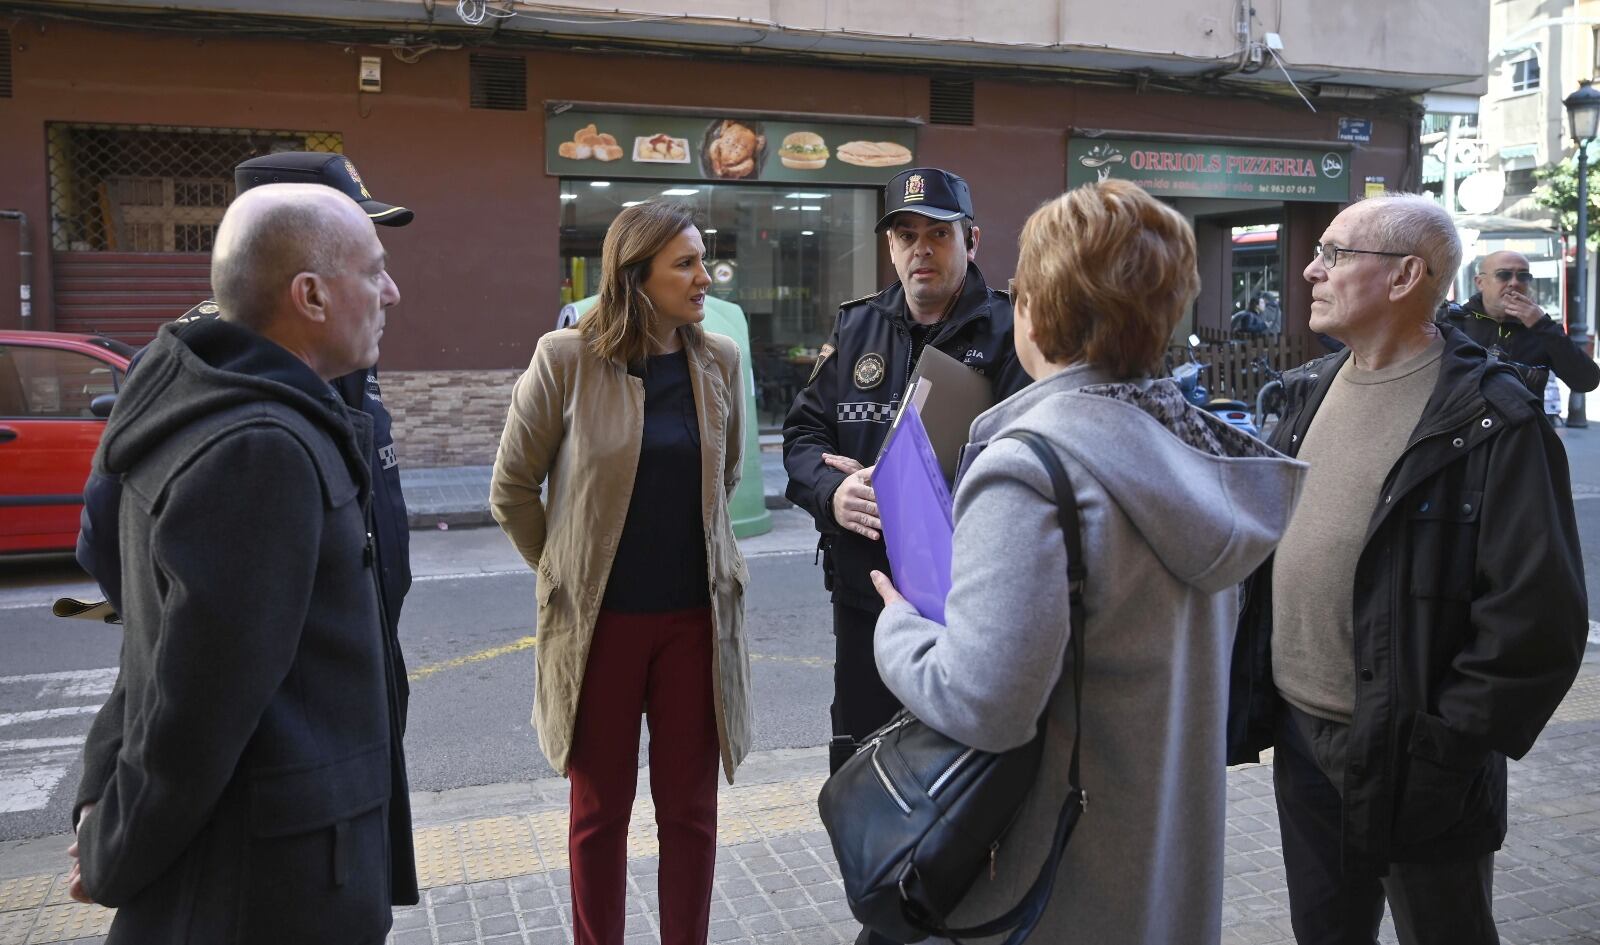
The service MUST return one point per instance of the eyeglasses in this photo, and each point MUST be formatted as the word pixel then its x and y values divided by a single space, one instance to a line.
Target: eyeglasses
pixel 1329 254
pixel 1522 276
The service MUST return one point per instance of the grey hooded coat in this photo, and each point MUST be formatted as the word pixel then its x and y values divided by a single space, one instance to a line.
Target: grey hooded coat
pixel 1176 509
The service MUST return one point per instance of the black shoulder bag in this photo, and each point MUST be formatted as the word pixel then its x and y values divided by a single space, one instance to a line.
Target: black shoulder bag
pixel 915 816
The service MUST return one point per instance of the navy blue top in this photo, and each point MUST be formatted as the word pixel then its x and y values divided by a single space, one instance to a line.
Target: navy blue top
pixel 661 559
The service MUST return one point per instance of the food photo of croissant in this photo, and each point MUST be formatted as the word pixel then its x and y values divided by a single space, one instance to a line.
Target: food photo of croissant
pixel 589 142
pixel 733 149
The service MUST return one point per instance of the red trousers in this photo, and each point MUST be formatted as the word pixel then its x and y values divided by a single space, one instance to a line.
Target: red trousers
pixel 659 665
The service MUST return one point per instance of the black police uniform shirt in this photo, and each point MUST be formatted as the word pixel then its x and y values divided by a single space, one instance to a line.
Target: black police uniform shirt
pixel 98 553
pixel 854 391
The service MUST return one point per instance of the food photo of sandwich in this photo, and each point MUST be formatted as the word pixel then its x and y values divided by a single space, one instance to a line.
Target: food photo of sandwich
pixel 589 142
pixel 873 153
pixel 661 149
pixel 804 151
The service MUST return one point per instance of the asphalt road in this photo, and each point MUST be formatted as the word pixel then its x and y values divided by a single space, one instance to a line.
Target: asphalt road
pixel 467 645
pixel 469 720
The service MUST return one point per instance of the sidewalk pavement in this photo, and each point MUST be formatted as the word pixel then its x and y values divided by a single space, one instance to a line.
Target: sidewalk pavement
pixel 493 860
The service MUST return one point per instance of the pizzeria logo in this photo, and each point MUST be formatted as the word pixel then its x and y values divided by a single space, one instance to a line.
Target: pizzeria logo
pixel 915 187
pixel 1100 158
pixel 1332 166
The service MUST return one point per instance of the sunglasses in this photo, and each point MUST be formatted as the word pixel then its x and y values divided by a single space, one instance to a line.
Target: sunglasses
pixel 1523 276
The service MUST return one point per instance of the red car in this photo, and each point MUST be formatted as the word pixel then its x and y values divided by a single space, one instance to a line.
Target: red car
pixel 56 391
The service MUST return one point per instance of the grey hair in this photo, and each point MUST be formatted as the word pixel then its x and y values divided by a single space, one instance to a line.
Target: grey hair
pixel 257 255
pixel 1415 224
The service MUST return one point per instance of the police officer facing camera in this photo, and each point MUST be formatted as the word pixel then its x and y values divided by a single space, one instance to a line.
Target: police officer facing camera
pixel 839 420
pixel 97 540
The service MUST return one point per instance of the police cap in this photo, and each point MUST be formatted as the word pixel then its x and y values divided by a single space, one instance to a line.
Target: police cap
pixel 318 167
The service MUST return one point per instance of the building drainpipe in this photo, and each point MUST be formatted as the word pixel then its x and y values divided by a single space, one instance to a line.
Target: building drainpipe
pixel 24 264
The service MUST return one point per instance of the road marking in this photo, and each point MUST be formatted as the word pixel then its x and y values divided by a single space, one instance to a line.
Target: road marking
pixel 423 672
pixel 36 744
pixel 27 778
pixel 71 684
pixel 39 715
pixel 1594 633
pixel 525 643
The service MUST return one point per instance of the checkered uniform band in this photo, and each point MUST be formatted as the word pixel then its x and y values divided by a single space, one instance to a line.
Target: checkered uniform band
pixel 865 413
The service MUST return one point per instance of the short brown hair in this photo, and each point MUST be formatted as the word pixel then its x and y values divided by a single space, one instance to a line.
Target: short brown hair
pixel 618 327
pixel 1106 271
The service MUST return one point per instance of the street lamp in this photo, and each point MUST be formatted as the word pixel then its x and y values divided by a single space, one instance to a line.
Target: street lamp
pixel 1583 114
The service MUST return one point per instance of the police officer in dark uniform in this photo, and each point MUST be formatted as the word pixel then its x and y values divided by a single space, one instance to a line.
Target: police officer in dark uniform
pixel 839 420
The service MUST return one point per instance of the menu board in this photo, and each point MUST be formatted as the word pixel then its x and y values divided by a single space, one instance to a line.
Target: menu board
pixel 733 149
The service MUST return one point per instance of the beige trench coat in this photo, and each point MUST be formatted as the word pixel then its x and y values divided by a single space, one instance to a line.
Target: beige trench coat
pixel 576 421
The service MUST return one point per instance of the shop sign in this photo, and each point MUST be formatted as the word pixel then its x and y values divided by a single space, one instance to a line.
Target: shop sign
pixel 712 148
pixel 1355 129
pixel 1197 169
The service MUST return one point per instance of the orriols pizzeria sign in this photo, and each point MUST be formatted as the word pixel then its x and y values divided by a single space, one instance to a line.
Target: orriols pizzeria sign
pixel 1197 169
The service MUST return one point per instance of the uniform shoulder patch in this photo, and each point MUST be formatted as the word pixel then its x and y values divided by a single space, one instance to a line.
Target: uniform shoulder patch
pixel 816 369
pixel 206 309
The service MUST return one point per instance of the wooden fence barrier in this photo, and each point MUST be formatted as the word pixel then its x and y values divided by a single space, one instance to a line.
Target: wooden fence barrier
pixel 1230 370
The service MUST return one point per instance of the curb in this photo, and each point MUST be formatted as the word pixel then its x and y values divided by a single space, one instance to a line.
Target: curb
pixel 477 517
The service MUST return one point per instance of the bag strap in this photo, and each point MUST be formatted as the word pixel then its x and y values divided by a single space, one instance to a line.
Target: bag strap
pixel 1025 915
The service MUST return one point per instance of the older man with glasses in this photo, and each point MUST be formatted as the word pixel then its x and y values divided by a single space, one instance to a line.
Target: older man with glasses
pixel 1503 318
pixel 1425 611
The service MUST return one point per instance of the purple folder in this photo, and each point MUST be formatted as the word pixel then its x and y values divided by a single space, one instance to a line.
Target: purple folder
pixel 918 522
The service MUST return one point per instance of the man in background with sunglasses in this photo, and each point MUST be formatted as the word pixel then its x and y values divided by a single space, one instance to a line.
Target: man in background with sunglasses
pixel 1503 315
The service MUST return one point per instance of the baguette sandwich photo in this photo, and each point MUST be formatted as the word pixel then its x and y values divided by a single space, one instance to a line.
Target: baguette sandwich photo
pixel 873 153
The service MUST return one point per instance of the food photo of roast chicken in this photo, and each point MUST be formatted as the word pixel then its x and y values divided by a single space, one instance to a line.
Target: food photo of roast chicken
pixel 733 149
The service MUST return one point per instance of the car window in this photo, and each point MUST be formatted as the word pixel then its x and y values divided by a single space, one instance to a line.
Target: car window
pixel 48 382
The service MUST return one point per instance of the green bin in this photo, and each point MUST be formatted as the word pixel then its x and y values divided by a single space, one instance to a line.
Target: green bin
pixel 749 504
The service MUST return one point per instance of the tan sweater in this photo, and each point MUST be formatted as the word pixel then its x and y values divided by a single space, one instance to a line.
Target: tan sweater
pixel 1357 435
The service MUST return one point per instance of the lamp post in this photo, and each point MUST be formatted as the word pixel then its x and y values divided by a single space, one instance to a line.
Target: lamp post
pixel 1583 114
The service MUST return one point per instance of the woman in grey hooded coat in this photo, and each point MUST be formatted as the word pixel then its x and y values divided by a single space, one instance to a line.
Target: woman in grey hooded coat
pixel 1176 509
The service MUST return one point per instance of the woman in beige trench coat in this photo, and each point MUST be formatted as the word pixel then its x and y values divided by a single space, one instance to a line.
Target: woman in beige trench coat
pixel 633 422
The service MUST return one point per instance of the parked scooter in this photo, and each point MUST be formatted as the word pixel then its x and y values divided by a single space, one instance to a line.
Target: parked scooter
pixel 1269 401
pixel 1235 412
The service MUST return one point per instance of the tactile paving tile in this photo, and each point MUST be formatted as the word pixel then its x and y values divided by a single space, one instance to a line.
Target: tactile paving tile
pixel 735 827
pixel 779 821
pixel 25 892
pixel 504 847
pixel 14 927
pixel 1582 703
pixel 438 857
pixel 550 833
pixel 64 923
pixel 60 893
pixel 498 848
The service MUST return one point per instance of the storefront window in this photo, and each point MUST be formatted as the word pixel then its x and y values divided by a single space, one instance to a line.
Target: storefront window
pixel 1257 279
pixel 786 254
